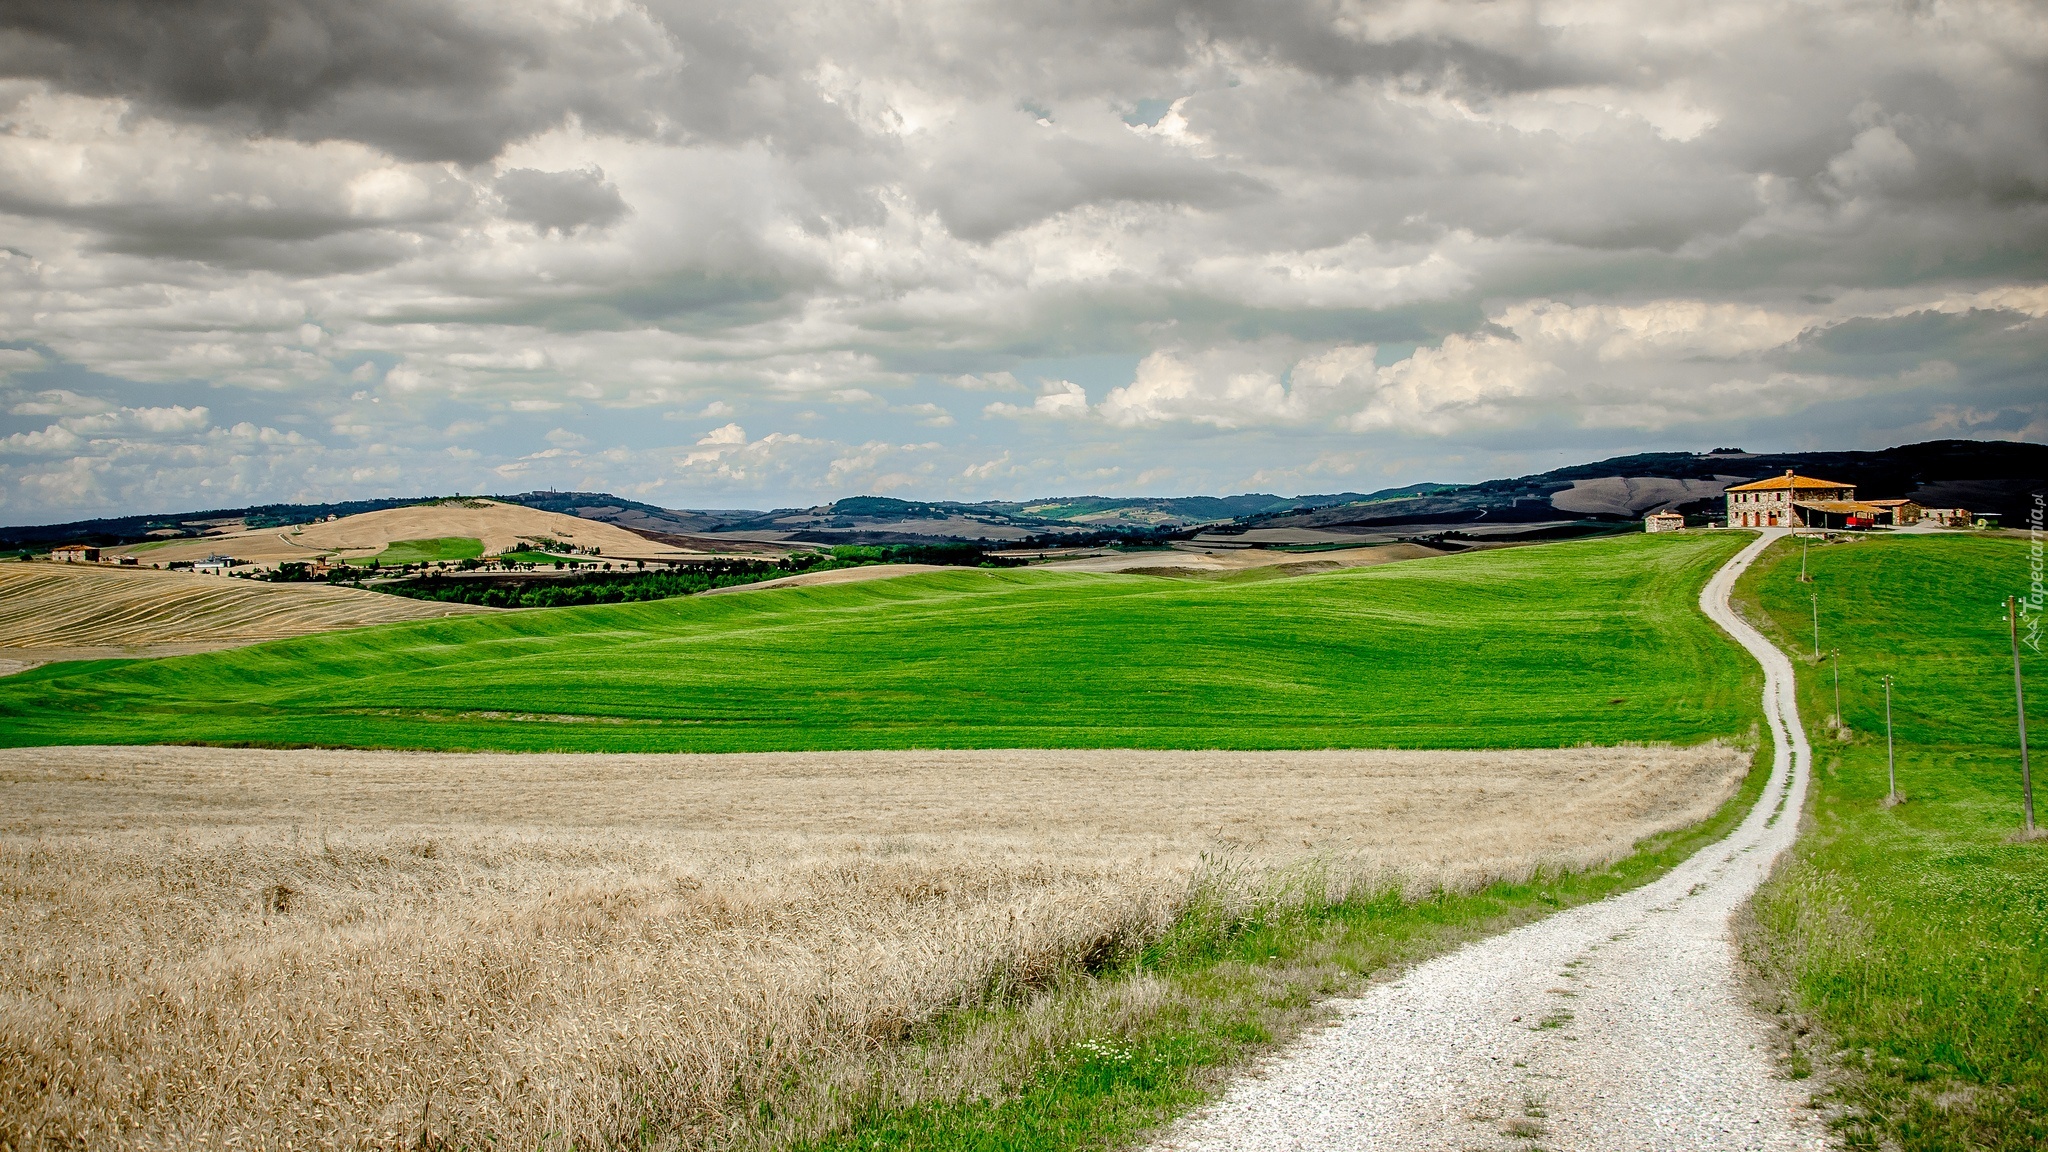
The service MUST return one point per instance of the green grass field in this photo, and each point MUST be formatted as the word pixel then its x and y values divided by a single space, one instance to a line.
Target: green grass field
pixel 430 551
pixel 1595 641
pixel 1916 936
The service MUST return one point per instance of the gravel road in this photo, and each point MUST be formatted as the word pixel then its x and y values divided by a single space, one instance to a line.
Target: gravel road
pixel 1615 1025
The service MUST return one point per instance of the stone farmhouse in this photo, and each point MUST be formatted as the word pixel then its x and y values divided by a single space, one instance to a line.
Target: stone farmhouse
pixel 1794 501
pixel 1772 503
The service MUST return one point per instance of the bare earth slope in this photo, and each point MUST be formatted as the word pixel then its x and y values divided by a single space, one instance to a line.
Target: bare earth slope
pixel 236 947
pixel 84 612
pixel 500 526
pixel 1619 1025
pixel 1633 495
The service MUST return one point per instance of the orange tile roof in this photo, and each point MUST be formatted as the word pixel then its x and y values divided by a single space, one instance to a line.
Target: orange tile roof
pixel 1839 507
pixel 1788 480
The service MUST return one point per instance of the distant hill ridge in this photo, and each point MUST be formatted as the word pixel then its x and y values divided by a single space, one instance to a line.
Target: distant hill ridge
pixel 1984 476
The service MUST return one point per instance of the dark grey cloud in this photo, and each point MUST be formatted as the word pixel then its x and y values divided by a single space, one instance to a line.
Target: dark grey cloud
pixel 1838 111
pixel 1986 345
pixel 1351 42
pixel 413 76
pixel 982 192
pixel 307 238
pixel 691 302
pixel 561 202
pixel 424 79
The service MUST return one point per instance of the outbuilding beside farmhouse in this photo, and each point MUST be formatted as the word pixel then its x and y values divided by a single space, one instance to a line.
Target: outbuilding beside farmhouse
pixel 1663 522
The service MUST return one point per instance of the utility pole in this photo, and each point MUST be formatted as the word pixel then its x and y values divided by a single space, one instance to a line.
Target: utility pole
pixel 1838 688
pixel 1891 767
pixel 2019 693
pixel 1816 627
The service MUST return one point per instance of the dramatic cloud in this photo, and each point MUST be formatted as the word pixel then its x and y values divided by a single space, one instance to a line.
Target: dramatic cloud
pixel 777 252
pixel 560 201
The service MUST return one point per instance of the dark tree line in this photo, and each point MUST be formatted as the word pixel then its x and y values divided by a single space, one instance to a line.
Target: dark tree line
pixel 592 587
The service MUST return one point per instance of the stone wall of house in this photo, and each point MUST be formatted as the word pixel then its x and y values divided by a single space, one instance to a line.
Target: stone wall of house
pixel 1772 507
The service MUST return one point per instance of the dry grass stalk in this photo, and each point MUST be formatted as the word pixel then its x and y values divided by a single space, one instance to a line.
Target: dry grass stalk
pixel 342 949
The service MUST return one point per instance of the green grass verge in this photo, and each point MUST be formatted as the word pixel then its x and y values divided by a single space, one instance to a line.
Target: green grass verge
pixel 1915 937
pixel 1589 641
pixel 1108 1063
pixel 430 551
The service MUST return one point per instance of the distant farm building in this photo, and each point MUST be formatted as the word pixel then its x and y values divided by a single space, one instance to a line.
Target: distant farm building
pixel 1663 522
pixel 214 565
pixel 1946 517
pixel 76 554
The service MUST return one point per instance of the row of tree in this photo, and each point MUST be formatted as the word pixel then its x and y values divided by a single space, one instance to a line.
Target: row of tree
pixel 590 586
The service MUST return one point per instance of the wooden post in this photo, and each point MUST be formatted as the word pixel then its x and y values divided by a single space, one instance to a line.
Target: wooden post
pixel 2019 693
pixel 1891 766
pixel 1816 627
pixel 1838 688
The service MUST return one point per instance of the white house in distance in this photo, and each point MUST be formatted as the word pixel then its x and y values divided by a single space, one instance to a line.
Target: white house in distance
pixel 1769 503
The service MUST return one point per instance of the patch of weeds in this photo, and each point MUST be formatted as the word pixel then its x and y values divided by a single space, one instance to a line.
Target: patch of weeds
pixel 1226 985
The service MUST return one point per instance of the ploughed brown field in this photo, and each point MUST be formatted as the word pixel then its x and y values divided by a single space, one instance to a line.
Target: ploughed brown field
pixel 84 612
pixel 207 947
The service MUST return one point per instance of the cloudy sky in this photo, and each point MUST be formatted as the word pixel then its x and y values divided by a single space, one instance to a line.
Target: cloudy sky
pixel 715 254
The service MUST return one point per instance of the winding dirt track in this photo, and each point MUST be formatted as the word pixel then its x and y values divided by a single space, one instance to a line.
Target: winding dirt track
pixel 1618 1025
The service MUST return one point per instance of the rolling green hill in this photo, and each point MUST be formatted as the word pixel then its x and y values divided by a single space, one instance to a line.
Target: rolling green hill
pixel 1916 935
pixel 1591 641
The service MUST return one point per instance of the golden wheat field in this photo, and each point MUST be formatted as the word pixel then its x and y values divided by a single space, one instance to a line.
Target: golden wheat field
pixel 215 947
pixel 80 611
pixel 497 525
